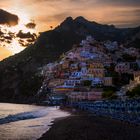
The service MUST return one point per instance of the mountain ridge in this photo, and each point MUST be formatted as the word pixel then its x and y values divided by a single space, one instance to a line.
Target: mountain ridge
pixel 18 80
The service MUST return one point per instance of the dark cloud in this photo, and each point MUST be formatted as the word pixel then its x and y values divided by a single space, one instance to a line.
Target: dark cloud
pixel 25 39
pixel 1 33
pixel 8 18
pixel 54 11
pixel 31 25
pixel 122 2
pixel 8 37
pixel 26 35
pixel 106 2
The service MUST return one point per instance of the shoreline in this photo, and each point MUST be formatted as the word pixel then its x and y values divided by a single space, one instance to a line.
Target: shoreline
pixel 31 121
pixel 81 125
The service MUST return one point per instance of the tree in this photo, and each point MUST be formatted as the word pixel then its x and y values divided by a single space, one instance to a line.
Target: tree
pixel 130 94
pixel 134 93
pixel 129 58
pixel 109 94
pixel 87 83
pixel 125 78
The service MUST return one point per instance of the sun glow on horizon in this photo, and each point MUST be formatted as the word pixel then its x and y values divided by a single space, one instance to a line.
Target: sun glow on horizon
pixel 4 53
pixel 24 18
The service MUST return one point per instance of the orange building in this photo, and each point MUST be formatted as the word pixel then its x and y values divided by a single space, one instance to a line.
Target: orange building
pixel 63 90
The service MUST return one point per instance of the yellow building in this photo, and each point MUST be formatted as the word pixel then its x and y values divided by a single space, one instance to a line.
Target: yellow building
pixel 62 90
pixel 107 81
pixel 65 64
pixel 96 69
pixel 96 65
pixel 96 72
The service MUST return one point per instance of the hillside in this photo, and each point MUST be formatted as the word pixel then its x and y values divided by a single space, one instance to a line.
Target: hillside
pixel 134 41
pixel 18 81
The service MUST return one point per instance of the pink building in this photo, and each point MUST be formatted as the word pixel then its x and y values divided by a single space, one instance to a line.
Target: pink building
pixel 96 95
pixel 89 95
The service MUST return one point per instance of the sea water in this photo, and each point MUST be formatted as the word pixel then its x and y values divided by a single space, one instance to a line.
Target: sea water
pixel 26 122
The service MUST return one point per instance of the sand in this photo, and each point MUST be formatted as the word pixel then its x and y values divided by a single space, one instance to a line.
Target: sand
pixel 85 126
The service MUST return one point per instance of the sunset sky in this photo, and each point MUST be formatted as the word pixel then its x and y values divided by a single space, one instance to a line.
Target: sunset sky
pixel 46 13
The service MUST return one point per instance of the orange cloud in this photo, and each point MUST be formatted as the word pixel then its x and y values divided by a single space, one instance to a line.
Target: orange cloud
pixel 46 13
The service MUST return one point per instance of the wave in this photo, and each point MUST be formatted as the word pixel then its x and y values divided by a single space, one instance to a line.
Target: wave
pixel 24 116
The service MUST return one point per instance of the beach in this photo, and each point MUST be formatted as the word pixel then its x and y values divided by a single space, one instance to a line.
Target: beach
pixel 26 122
pixel 85 126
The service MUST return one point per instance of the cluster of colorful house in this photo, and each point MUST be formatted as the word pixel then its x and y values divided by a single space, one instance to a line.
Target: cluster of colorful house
pixel 82 72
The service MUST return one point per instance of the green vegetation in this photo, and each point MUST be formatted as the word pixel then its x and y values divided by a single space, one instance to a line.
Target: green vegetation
pixel 134 93
pixel 135 43
pixel 110 88
pixel 87 83
pixel 121 79
pixel 129 58
pixel 125 78
pixel 109 93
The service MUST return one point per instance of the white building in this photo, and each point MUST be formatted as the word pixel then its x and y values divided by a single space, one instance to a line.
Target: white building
pixel 111 45
pixel 84 71
pixel 97 81
pixel 71 83
pixel 90 39
pixel 76 75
